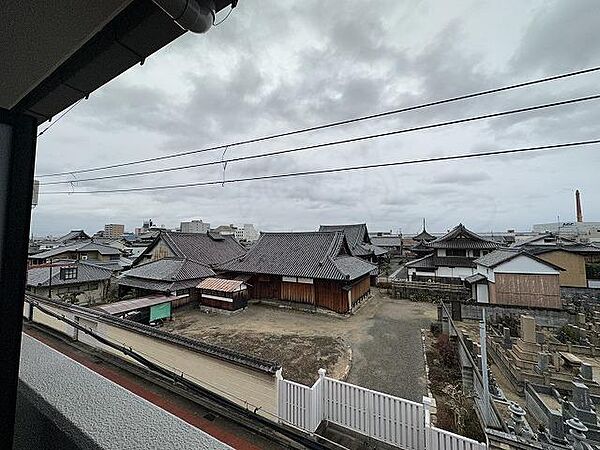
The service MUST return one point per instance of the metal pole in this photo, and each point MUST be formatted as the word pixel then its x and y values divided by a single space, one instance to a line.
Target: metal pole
pixel 17 160
pixel 484 367
pixel 50 281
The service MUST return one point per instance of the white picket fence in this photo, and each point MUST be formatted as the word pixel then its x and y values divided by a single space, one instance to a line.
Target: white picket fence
pixel 380 416
pixel 438 439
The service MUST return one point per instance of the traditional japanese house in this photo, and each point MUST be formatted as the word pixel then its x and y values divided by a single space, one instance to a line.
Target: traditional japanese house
pixel 312 268
pixel 451 260
pixel 164 276
pixel 357 236
pixel 205 248
pixel 73 281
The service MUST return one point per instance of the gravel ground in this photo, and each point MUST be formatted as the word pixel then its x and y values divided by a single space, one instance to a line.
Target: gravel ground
pixel 390 357
pixel 383 339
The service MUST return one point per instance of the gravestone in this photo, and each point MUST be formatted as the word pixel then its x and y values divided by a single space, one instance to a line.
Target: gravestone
pixel 528 329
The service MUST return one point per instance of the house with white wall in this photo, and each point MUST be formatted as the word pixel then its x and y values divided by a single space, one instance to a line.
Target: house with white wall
pixel 451 260
pixel 513 277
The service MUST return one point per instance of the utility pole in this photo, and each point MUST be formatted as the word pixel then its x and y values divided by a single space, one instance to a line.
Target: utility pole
pixel 484 367
pixel 50 281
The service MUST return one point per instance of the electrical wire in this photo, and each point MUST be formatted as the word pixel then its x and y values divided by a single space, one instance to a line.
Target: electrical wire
pixel 54 122
pixel 327 144
pixel 328 125
pixel 333 170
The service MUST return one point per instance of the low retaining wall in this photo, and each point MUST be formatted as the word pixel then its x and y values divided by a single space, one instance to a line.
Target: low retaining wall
pixel 543 317
pixel 243 379
pixel 428 292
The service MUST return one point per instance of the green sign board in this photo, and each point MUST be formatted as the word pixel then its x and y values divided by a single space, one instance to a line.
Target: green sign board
pixel 162 311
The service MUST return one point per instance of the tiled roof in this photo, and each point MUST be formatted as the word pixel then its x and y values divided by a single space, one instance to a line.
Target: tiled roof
pixel 73 234
pixel 421 247
pixel 497 257
pixel 355 233
pixel 169 269
pixel 461 237
pixel 124 306
pixel 358 239
pixel 220 284
pixel 202 247
pixel 86 272
pixel 157 285
pixel 386 241
pixel 79 247
pixel 475 278
pixel 424 236
pixel 313 254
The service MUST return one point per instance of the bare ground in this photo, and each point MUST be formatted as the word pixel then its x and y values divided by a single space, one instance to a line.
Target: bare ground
pixel 380 344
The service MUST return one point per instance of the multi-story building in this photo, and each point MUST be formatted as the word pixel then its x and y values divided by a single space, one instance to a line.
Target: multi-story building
pixel 114 230
pixel 194 226
pixel 247 233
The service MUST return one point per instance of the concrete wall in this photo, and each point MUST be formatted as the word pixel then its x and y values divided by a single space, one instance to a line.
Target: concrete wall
pixel 235 382
pixel 454 272
pixel 574 265
pixel 64 405
pixel 546 318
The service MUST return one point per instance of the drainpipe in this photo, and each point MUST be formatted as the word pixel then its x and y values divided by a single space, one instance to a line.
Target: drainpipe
pixel 196 16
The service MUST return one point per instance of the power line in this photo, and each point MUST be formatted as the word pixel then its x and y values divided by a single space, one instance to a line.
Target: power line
pixel 60 117
pixel 329 125
pixel 331 143
pixel 334 170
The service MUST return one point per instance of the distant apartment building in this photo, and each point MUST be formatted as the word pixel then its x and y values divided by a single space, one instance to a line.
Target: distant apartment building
pixel 194 226
pixel 247 233
pixel 114 230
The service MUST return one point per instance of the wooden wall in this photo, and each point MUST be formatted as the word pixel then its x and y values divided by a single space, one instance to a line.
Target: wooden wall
pixel 574 265
pixel 265 287
pixel 542 291
pixel 322 293
pixel 330 295
pixel 298 292
pixel 360 289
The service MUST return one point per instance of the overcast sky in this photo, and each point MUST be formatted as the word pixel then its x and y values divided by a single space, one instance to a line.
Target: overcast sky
pixel 279 65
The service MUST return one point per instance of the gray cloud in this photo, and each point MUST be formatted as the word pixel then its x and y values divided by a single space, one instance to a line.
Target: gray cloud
pixel 289 65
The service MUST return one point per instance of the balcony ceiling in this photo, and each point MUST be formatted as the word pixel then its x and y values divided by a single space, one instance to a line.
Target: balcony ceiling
pixel 56 52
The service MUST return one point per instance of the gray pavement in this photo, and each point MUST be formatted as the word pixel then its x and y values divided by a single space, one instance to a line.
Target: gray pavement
pixel 390 359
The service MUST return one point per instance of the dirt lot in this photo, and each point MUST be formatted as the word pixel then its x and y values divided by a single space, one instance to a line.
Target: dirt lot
pixel 381 343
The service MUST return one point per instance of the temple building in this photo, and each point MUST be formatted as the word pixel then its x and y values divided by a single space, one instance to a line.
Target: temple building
pixel 452 256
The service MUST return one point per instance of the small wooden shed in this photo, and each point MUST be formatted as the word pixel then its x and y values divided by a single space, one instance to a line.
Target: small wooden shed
pixel 220 293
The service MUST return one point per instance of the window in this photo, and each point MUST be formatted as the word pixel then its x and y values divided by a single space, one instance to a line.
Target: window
pixel 456 252
pixel 68 273
pixel 475 253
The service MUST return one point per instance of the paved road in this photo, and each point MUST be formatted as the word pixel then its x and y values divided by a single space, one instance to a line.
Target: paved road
pixel 389 357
